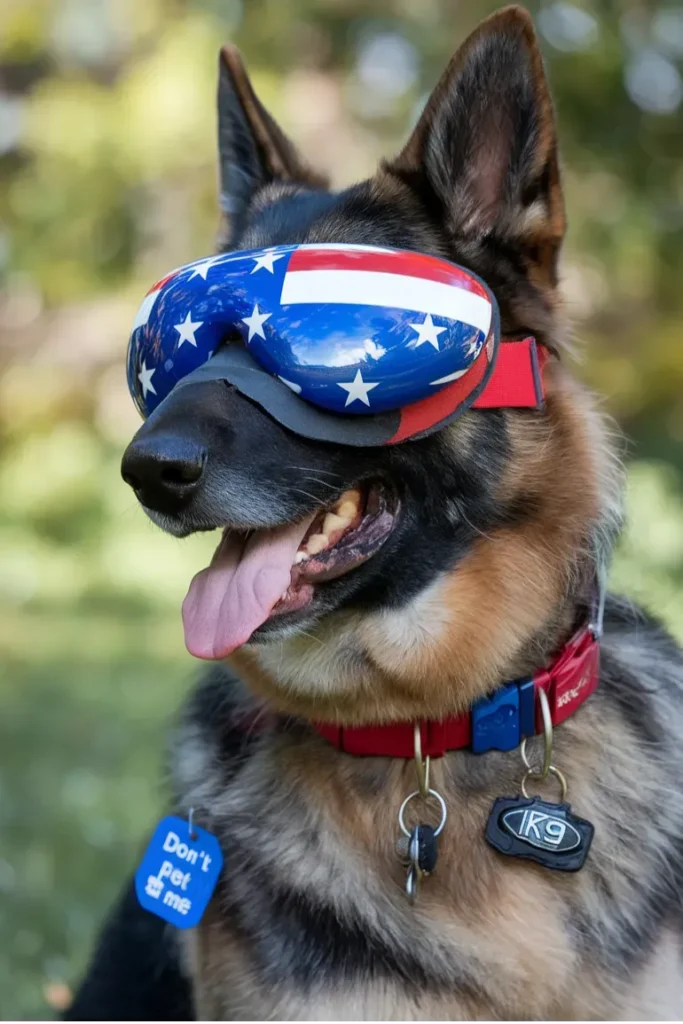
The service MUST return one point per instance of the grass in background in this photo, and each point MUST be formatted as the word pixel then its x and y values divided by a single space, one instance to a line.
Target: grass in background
pixel 81 735
pixel 93 669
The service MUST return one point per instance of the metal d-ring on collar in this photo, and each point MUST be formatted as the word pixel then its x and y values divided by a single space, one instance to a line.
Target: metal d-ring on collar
pixel 411 852
pixel 598 610
pixel 424 791
pixel 547 768
pixel 547 738
pixel 421 766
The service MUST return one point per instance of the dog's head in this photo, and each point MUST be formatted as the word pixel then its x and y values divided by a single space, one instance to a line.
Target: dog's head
pixel 405 580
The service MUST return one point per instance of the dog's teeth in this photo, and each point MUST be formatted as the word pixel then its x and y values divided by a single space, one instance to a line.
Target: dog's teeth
pixel 317 543
pixel 351 495
pixel 347 511
pixel 347 506
pixel 299 557
pixel 334 522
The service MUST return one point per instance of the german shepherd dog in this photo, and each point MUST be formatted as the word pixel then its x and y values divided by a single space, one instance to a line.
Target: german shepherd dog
pixel 500 523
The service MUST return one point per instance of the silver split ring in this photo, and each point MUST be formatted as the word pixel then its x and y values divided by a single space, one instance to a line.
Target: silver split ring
pixel 411 796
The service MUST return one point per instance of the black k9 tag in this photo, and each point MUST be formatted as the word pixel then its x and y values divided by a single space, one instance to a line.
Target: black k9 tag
pixel 535 830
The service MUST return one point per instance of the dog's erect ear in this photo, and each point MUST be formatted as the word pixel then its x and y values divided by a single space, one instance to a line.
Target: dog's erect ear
pixel 253 149
pixel 485 146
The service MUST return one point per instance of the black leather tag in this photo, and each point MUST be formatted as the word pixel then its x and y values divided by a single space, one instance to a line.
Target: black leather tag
pixel 533 829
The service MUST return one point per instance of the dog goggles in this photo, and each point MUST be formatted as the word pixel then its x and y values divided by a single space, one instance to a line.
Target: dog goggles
pixel 352 344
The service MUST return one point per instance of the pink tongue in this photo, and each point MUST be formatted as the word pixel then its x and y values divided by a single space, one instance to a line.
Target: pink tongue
pixel 235 595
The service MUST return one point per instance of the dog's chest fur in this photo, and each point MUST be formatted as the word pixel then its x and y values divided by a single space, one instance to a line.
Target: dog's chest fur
pixel 310 920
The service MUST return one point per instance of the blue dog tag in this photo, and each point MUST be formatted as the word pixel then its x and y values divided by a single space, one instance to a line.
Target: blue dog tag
pixel 179 872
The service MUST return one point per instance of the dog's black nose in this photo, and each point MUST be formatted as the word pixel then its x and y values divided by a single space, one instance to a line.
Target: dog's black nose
pixel 164 470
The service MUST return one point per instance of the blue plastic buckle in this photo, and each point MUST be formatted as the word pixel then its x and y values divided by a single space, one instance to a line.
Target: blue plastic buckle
pixel 500 722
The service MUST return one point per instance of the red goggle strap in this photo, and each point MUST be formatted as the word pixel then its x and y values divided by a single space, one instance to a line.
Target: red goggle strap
pixel 517 378
pixel 516 382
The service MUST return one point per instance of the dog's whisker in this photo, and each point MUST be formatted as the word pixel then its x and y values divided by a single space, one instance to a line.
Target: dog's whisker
pixel 308 469
pixel 307 494
pixel 323 483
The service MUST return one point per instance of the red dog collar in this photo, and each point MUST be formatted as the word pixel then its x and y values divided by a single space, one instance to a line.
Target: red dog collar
pixel 499 722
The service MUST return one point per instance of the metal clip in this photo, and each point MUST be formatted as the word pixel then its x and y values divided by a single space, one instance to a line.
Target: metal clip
pixel 547 738
pixel 421 765
pixel 533 772
pixel 598 610
pixel 408 846
pixel 410 843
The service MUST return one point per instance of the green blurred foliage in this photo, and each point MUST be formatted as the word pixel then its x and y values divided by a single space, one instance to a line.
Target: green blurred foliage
pixel 107 178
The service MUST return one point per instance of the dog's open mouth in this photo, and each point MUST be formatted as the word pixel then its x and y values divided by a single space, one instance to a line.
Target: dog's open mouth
pixel 260 574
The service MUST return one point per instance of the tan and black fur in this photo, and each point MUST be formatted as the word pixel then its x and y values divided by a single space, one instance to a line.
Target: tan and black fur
pixel 505 517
